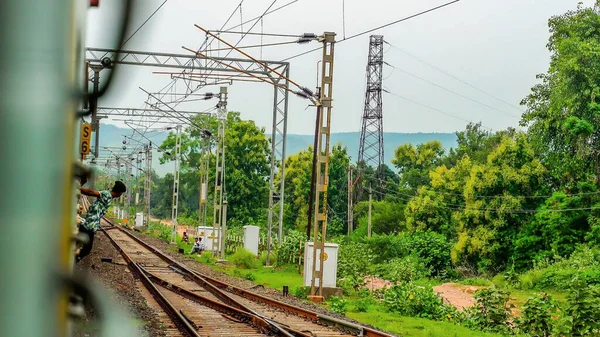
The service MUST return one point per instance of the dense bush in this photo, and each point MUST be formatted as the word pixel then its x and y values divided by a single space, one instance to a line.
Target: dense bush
pixel 476 281
pixel 338 304
pixel 289 249
pixel 536 316
pixel 405 269
pixel 354 262
pixel 300 292
pixel 411 300
pixel 244 259
pixel 433 248
pixel 491 312
pixel 272 258
pixel 583 264
pixel 581 316
pixel 363 304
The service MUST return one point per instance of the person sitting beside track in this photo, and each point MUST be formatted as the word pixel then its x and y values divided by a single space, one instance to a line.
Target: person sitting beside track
pixel 97 210
pixel 185 237
pixel 198 246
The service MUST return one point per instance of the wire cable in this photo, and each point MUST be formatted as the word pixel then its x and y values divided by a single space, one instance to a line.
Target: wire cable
pixel 376 28
pixel 451 91
pixel 144 23
pixel 432 108
pixel 261 16
pixel 454 77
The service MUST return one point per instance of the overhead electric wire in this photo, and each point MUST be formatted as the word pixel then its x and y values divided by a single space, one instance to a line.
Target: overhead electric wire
pixel 376 28
pixel 454 77
pixel 261 16
pixel 493 210
pixel 450 90
pixel 143 23
pixel 261 34
pixel 476 197
pixel 254 46
pixel 432 108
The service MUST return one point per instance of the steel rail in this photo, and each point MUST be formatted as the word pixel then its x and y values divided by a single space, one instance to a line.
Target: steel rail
pixel 257 319
pixel 313 316
pixel 180 321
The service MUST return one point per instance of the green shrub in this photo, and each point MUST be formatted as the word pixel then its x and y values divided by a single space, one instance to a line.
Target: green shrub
pixel 476 281
pixel 300 292
pixel 338 305
pixel 244 259
pixel 405 269
pixel 433 248
pixel 354 262
pixel 207 258
pixel 249 276
pixel 410 300
pixel 581 315
pixel 363 304
pixel 289 249
pixel 272 258
pixel 491 312
pixel 536 316
pixel 530 279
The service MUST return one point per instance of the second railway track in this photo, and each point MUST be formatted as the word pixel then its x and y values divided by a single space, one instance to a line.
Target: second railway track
pixel 198 305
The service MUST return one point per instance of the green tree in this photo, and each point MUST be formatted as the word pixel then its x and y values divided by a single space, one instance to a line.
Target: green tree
pixel 563 112
pixel 246 167
pixel 414 163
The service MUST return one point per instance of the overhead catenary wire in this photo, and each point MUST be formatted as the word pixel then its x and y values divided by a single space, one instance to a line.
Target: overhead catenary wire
pixel 260 16
pixel 376 28
pixel 144 23
pixel 484 196
pixel 454 77
pixel 240 70
pixel 261 34
pixel 451 91
pixel 252 58
pixel 254 46
pixel 492 210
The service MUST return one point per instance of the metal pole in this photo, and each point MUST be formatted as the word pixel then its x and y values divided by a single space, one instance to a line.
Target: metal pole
pixel 148 182
pixel 224 230
pixel 95 120
pixel 350 208
pixel 313 177
pixel 176 185
pixel 322 172
pixel 283 154
pixel 370 206
pixel 219 171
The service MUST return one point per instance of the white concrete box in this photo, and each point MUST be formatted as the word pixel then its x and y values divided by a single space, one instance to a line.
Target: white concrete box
pixel 207 234
pixel 251 238
pixel 329 266
pixel 139 219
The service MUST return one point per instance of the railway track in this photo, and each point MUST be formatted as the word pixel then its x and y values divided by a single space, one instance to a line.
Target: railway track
pixel 197 305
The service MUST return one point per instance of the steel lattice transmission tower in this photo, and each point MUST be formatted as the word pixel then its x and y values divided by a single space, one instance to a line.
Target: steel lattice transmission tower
pixel 370 152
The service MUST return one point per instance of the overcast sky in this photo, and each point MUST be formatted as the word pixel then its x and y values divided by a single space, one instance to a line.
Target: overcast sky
pixel 497 46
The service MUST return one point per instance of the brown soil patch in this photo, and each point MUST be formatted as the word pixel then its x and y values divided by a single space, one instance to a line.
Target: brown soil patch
pixel 458 295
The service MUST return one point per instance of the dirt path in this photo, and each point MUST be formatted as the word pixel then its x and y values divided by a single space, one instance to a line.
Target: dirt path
pixel 458 295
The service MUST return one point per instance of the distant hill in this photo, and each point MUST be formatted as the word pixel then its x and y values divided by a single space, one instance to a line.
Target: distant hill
pixel 111 135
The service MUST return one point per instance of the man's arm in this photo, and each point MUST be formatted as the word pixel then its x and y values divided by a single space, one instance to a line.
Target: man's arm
pixel 89 192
